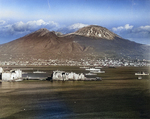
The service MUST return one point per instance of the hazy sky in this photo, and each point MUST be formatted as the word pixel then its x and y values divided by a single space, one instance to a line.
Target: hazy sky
pixel 128 18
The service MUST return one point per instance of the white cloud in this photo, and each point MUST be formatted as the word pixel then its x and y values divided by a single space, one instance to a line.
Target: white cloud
pixel 19 26
pixel 77 26
pixel 136 33
pixel 37 23
pixel 2 22
pixel 125 27
pixel 28 26
pixel 71 28
pixel 118 28
pixel 147 27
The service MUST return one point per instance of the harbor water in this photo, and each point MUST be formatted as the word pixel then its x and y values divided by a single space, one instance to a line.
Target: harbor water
pixel 75 99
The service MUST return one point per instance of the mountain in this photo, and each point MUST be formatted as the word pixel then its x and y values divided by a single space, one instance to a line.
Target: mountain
pixel 41 44
pixel 91 41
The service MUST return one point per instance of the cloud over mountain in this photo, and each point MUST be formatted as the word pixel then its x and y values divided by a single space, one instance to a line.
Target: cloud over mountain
pixel 13 30
pixel 77 26
pixel 30 26
pixel 71 28
pixel 125 27
pixel 131 32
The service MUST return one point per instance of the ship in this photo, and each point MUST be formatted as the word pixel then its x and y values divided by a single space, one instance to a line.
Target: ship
pixel 90 74
pixel 92 69
pixel 39 72
pixel 141 73
pixel 99 71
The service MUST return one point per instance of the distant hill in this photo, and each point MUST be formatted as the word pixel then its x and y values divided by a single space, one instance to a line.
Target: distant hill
pixel 91 41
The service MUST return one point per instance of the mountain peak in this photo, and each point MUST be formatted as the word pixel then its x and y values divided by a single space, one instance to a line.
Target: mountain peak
pixel 96 31
pixel 42 30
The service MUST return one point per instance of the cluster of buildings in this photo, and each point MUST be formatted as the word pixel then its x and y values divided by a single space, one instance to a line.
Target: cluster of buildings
pixel 107 62
pixel 12 75
pixel 62 75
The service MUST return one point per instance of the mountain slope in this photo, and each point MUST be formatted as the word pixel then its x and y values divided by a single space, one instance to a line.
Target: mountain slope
pixel 108 44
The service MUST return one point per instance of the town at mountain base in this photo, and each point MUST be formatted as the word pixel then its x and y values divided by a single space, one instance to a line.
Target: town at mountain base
pixel 91 42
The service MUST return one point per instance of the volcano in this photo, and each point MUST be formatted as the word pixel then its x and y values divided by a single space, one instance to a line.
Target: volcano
pixel 108 44
pixel 91 41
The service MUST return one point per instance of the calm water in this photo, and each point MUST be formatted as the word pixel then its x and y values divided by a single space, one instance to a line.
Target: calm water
pixel 75 99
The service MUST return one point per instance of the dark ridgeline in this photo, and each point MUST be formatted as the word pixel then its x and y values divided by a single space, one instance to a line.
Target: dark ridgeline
pixel 90 41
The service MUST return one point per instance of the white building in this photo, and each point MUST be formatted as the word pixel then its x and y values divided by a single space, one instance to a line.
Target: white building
pixel 12 75
pixel 1 70
pixel 62 75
